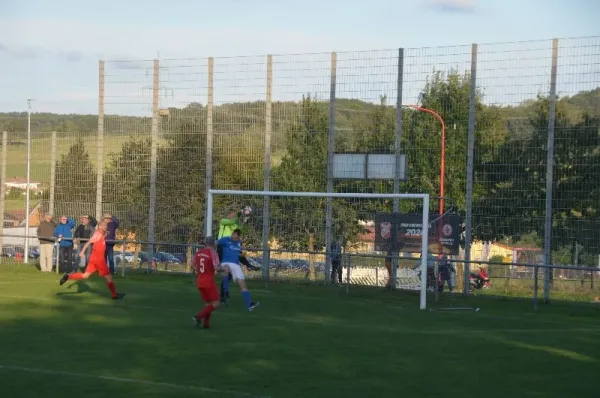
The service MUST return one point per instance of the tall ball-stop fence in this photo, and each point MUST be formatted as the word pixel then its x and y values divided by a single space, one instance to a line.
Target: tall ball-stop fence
pixel 518 160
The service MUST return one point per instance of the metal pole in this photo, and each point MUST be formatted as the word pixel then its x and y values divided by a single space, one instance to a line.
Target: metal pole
pixel 153 162
pixel 424 251
pixel 398 143
pixel 549 172
pixel 209 212
pixel 100 149
pixel 470 168
pixel 348 265
pixel 52 174
pixel 3 185
pixel 330 148
pixel 28 181
pixel 398 153
pixel 267 176
pixel 209 142
pixel 303 194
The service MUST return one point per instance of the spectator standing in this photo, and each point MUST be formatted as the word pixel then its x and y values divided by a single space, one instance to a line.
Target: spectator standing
pixel 45 235
pixel 336 262
pixel 446 270
pixel 64 234
pixel 111 237
pixel 83 233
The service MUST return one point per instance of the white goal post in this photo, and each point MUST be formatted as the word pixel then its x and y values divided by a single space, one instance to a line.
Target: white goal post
pixel 347 195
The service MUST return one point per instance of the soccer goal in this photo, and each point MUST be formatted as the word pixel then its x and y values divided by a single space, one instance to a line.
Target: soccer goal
pixel 277 210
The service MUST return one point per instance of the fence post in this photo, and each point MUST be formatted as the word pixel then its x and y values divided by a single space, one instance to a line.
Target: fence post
pixel 209 141
pixel 330 148
pixel 123 262
pixel 100 149
pixel 153 162
pixel 3 186
pixel 52 174
pixel 56 256
pixel 267 172
pixel 398 152
pixel 470 170
pixel 549 173
pixel 399 125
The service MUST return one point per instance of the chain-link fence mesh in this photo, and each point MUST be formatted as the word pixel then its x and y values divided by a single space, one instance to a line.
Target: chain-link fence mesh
pixel 169 130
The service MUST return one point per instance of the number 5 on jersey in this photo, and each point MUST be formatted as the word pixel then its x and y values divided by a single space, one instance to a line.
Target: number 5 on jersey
pixel 201 265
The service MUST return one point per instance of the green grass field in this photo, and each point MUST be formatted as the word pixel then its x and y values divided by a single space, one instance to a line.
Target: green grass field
pixel 303 341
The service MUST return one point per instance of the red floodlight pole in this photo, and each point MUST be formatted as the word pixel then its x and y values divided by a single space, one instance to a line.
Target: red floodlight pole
pixel 442 162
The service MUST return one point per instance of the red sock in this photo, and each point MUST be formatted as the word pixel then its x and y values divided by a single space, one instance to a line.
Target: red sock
pixel 207 319
pixel 205 311
pixel 75 276
pixel 111 287
pixel 209 309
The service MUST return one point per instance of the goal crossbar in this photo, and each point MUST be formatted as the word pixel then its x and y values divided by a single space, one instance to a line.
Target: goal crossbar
pixel 421 196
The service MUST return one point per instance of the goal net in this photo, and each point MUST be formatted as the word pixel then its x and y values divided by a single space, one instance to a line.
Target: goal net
pixel 333 237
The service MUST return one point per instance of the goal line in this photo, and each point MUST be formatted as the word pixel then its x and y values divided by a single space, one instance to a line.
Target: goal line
pixel 424 198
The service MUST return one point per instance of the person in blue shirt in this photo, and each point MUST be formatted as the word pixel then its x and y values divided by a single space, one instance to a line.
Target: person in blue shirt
pixel 64 236
pixel 231 247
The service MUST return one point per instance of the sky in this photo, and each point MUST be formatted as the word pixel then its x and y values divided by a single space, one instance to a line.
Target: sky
pixel 49 50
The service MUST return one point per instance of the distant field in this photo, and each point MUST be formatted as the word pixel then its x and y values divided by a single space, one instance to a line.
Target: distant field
pixel 41 155
pixel 19 204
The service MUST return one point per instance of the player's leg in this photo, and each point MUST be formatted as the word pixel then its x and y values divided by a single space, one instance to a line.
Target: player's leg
pixel 239 276
pixel 210 296
pixel 225 284
pixel 110 258
pixel 245 262
pixel 75 276
pixel 110 283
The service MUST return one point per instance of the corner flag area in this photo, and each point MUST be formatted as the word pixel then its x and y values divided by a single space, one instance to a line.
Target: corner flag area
pixel 303 341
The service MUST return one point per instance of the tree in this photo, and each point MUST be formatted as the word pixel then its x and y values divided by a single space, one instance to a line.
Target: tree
pixel 304 168
pixel 180 187
pixel 75 192
pixel 127 186
pixel 239 165
pixel 517 180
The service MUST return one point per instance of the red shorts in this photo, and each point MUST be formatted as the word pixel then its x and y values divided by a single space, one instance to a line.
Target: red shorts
pixel 209 293
pixel 99 266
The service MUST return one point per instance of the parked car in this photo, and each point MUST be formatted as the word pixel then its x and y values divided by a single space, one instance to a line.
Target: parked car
pixel 167 258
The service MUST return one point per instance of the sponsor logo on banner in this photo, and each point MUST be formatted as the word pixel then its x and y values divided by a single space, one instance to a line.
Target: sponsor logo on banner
pixel 447 230
pixel 386 230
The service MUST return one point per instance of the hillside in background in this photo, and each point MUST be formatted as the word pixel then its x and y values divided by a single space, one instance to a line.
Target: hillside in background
pixel 348 113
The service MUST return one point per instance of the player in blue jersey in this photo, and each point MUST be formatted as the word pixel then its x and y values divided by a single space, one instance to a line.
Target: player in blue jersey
pixel 231 247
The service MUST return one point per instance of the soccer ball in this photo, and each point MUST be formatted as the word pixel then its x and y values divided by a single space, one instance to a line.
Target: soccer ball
pixel 247 211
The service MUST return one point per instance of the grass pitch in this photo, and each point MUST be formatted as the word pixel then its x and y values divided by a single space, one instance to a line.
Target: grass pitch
pixel 303 341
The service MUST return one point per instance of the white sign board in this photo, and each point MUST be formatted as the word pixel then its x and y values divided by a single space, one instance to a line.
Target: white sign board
pixel 360 166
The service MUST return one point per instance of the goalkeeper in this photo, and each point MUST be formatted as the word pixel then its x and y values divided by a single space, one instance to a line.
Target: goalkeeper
pixel 226 227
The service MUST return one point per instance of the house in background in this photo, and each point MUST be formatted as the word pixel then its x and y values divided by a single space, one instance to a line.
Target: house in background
pixel 21 183
pixel 16 218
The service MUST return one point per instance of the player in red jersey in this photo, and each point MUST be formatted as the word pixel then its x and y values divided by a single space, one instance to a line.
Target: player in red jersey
pixel 97 261
pixel 206 263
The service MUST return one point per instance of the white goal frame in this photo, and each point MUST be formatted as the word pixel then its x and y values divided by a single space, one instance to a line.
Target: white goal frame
pixel 422 196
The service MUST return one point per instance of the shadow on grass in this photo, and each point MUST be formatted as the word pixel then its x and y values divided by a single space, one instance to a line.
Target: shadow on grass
pixel 304 341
